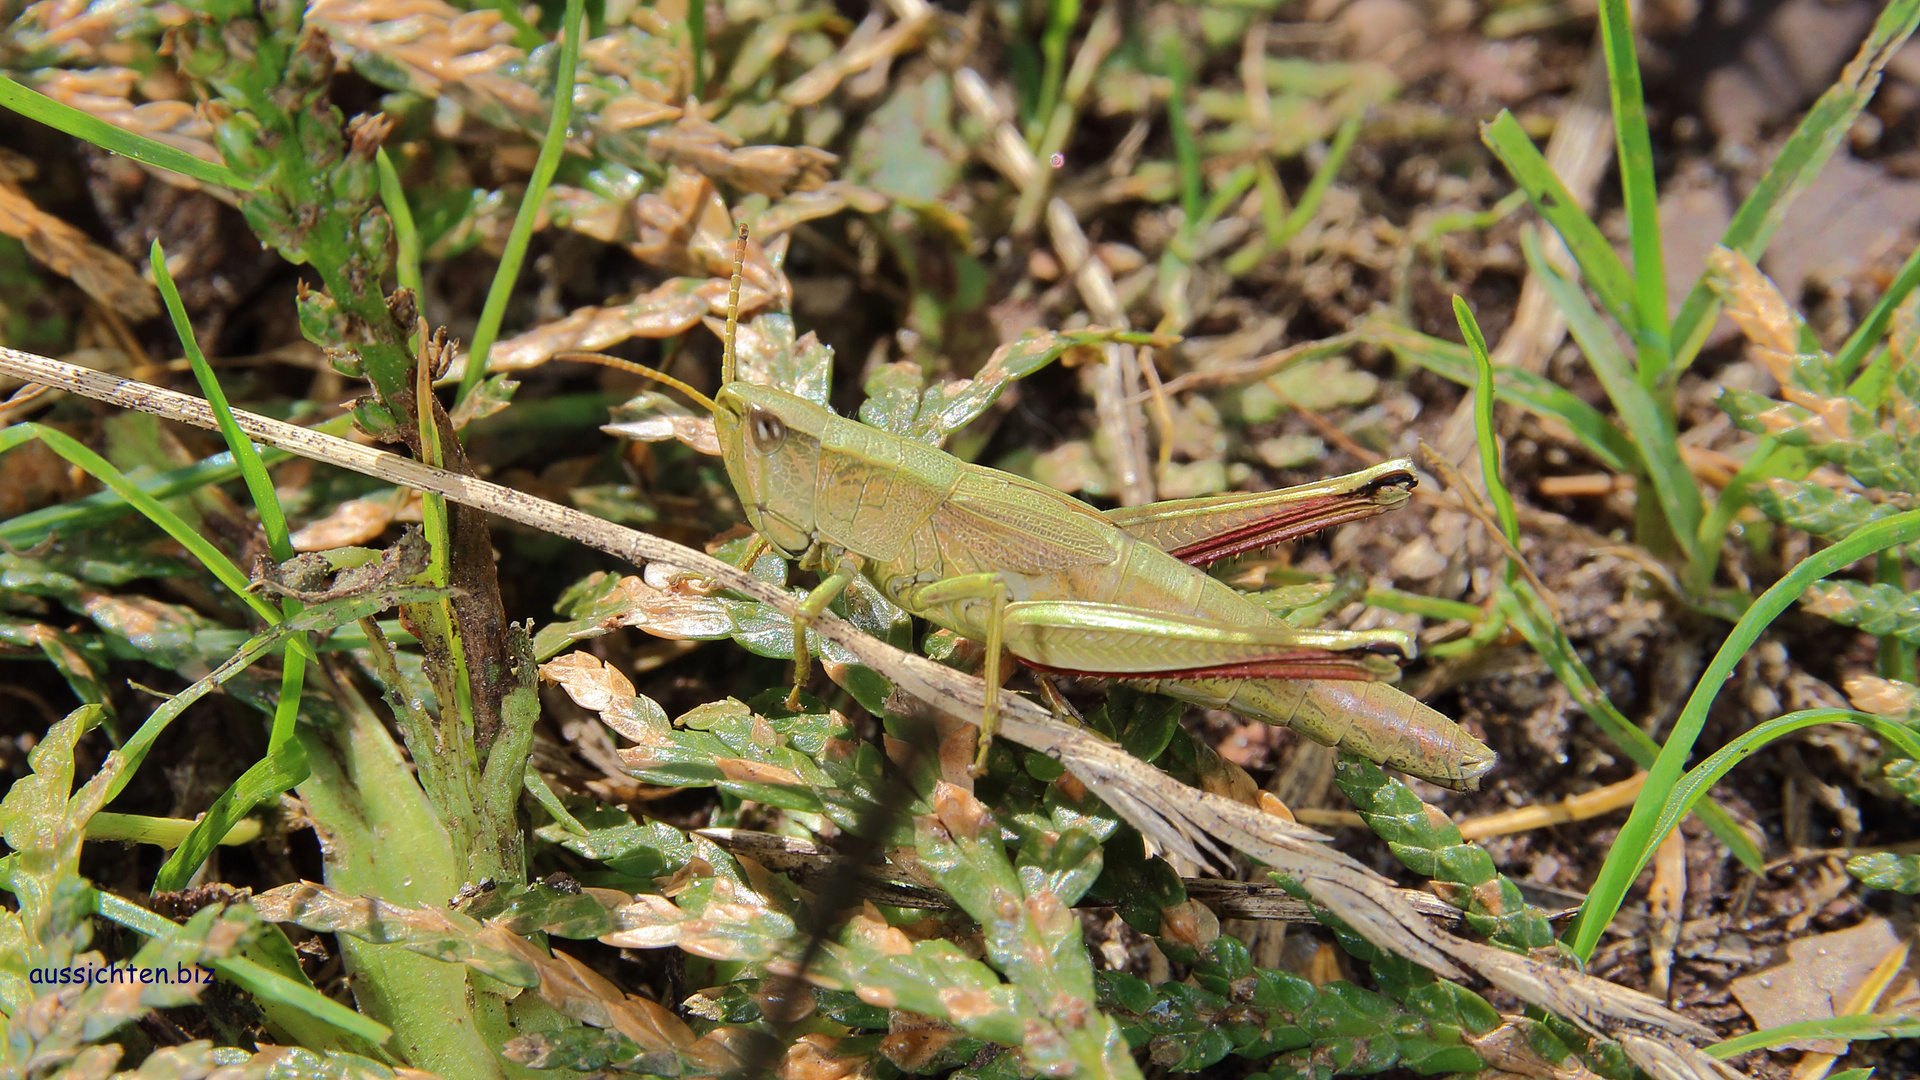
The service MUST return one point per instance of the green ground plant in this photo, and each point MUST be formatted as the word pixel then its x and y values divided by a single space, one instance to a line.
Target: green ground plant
pixel 433 858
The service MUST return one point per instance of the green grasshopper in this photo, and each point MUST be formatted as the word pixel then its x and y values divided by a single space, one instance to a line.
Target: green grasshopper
pixel 1025 569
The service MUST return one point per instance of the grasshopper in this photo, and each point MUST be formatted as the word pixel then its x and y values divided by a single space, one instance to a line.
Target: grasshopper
pixel 1030 571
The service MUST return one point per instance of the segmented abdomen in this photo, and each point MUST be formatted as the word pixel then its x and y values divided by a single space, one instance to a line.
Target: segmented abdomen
pixel 1373 720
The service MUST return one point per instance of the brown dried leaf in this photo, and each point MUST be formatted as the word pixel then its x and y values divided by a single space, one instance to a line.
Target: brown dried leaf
pixel 703 147
pixel 104 93
pixel 65 250
pixel 685 228
pixel 815 1057
pixel 672 308
pixel 696 432
pixel 599 687
pixel 357 521
pixel 1820 975
pixel 863 49
pixel 1883 697
pixel 1772 327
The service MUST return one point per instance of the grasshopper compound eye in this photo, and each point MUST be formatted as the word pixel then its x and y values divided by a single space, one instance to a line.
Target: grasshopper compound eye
pixel 767 430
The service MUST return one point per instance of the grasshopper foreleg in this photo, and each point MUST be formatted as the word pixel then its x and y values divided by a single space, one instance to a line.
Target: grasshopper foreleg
pixel 845 569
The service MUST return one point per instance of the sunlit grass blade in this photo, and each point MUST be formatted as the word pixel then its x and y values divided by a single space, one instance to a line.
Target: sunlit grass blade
pixel 1599 265
pixel 1798 162
pixel 1061 17
pixel 284 767
pixel 1524 389
pixel 1865 1026
pixel 253 978
pixel 1186 156
pixel 285 764
pixel 1636 182
pixel 1528 611
pixel 105 506
pixel 102 470
pixel 63 117
pixel 1636 841
pixel 552 145
pixel 1866 336
pixel 1701 778
pixel 1483 395
pixel 266 501
pixel 1642 415
pixel 406 239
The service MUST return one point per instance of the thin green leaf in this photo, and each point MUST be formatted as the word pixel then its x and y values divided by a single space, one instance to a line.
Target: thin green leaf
pixel 257 980
pixel 266 500
pixel 102 470
pixel 1530 616
pixel 1794 168
pixel 106 136
pixel 1863 1026
pixel 1698 780
pixel 1645 419
pixel 1599 265
pixel 280 770
pixel 1483 395
pixel 552 145
pixel 103 506
pixel 1866 336
pixel 1524 389
pixel 1186 156
pixel 1636 182
pixel 1638 837
pixel 406 238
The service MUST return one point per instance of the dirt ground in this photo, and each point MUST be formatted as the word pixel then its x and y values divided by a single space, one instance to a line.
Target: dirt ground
pixel 1726 80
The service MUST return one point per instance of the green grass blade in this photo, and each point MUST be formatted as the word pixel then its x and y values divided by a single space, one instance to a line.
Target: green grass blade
pixel 1636 182
pixel 1799 161
pixel 406 239
pixel 1524 389
pixel 1186 156
pixel 1528 613
pixel 1642 415
pixel 1322 179
pixel 1636 841
pixel 552 145
pixel 266 501
pixel 285 765
pixel 1866 336
pixel 62 117
pixel 1599 265
pixel 1862 1026
pixel 1483 421
pixel 1703 776
pixel 104 506
pixel 102 470
pixel 1061 17
pixel 249 976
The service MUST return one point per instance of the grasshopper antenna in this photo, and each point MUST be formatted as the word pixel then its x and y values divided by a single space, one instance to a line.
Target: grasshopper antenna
pixel 641 370
pixel 727 359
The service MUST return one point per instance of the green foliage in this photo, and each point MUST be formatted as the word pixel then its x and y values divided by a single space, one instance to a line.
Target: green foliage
pixel 1431 846
pixel 1284 1022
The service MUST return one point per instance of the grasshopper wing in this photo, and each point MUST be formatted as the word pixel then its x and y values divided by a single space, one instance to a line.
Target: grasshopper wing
pixel 997 521
pixel 1206 530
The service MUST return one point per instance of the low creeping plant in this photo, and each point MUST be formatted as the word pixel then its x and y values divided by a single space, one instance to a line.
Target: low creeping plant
pixel 1028 570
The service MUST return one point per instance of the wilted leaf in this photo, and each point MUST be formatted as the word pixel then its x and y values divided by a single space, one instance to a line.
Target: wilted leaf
pixel 435 932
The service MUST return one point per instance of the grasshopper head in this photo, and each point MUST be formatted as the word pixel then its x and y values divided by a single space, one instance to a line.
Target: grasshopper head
pixel 771 442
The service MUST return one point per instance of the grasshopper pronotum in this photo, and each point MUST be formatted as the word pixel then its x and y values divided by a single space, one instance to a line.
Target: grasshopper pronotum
pixel 1028 570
